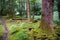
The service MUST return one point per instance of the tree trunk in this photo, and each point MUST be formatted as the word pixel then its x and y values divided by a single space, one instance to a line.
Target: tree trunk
pixel 10 8
pixel 28 10
pixel 33 14
pixel 5 36
pixel 47 16
pixel 58 6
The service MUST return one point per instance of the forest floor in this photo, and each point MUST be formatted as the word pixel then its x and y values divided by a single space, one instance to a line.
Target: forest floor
pixel 20 30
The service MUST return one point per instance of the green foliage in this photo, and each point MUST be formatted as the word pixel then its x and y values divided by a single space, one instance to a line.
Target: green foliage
pixel 23 33
pixel 33 1
pixel 19 36
pixel 57 31
pixel 17 33
pixel 22 36
pixel 1 32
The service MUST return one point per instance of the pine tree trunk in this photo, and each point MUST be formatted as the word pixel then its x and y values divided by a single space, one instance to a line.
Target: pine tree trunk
pixel 33 16
pixel 58 6
pixel 28 10
pixel 47 16
pixel 10 8
pixel 5 36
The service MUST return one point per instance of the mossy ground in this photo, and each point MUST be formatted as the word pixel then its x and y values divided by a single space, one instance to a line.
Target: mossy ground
pixel 20 31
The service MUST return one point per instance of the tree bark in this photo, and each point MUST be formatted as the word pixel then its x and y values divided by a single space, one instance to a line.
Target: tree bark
pixel 5 36
pixel 11 10
pixel 33 14
pixel 58 6
pixel 28 10
pixel 47 16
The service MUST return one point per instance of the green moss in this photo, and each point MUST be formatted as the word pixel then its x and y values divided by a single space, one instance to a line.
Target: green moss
pixel 23 33
pixel 1 31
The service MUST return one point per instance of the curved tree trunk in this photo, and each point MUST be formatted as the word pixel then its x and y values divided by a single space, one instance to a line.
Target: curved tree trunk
pixel 47 16
pixel 6 30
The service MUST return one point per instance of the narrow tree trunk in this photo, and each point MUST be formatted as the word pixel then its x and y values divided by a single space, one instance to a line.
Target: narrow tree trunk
pixel 5 36
pixel 28 9
pixel 33 11
pixel 58 6
pixel 10 8
pixel 33 16
pixel 47 16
